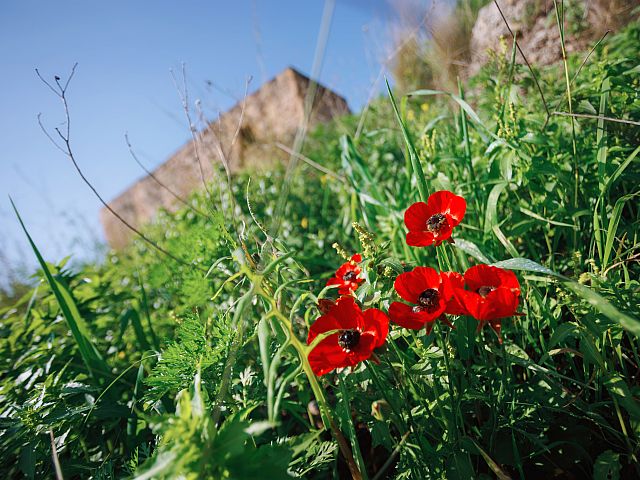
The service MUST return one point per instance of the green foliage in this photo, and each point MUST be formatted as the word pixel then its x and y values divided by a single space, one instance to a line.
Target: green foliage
pixel 195 350
pixel 192 447
pixel 202 367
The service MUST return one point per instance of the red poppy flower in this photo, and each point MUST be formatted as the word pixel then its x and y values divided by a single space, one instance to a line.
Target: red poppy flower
pixel 456 281
pixel 492 294
pixel 432 222
pixel 357 334
pixel 431 295
pixel 348 276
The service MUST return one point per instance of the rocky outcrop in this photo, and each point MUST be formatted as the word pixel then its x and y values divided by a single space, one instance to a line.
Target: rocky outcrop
pixel 244 137
pixel 534 23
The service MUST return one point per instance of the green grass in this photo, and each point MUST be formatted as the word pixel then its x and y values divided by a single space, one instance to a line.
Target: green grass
pixel 145 367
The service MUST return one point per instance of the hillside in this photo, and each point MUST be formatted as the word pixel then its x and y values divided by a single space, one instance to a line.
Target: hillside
pixel 196 365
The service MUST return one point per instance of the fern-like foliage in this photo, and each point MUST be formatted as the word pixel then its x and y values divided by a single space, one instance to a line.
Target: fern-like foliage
pixel 194 349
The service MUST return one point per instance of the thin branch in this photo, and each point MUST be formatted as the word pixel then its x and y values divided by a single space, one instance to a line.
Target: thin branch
pixel 51 87
pixel 307 160
pixel 73 71
pixel 253 216
pixel 584 62
pixel 634 258
pixel 597 117
pixel 219 147
pixel 301 134
pixel 560 102
pixel 54 456
pixel 44 130
pixel 535 78
pixel 242 108
pixel 184 97
pixel 157 180
pixel 68 151
pixel 392 457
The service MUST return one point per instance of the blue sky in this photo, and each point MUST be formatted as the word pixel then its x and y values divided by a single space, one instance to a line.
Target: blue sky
pixel 125 50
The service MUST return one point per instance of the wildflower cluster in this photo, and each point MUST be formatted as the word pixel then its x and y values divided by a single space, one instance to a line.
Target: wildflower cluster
pixel 350 335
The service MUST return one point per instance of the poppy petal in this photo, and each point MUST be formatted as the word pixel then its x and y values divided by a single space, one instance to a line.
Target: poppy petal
pixel 481 276
pixel 453 281
pixel 416 216
pixel 344 315
pixel 410 285
pixel 347 289
pixel 348 313
pixel 470 301
pixel 509 280
pixel 327 356
pixel 457 208
pixel 377 323
pixel 403 315
pixel 505 302
pixel 362 351
pixel 420 239
pixel 323 324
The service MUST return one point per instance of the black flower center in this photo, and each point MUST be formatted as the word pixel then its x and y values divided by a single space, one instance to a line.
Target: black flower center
pixel 427 300
pixel 486 290
pixel 436 223
pixel 348 339
pixel 350 276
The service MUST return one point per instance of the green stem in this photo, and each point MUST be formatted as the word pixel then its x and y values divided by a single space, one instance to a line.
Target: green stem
pixel 576 172
pixel 445 353
pixel 325 409
pixel 352 431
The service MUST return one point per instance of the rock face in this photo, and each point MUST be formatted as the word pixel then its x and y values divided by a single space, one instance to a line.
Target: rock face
pixel 534 23
pixel 238 139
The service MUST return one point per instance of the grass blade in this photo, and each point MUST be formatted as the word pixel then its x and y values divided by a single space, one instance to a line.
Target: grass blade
pixel 413 155
pixel 597 301
pixel 90 355
pixel 613 227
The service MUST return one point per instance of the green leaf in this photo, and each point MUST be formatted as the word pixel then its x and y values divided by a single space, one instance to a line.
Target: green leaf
pixel 472 249
pixel 613 226
pixel 90 355
pixel 526 265
pixel 597 301
pixel 607 466
pixel 561 332
pixel 619 389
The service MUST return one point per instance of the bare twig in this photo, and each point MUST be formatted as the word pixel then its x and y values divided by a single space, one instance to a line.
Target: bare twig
pixel 61 92
pixel 535 78
pixel 242 108
pixel 253 216
pixel 634 258
pixel 54 450
pixel 219 147
pixel 392 457
pixel 157 180
pixel 184 98
pixel 593 49
pixel 596 117
pixel 307 160
pixel 561 102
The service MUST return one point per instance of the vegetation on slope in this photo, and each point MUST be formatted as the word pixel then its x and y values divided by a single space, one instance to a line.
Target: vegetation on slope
pixel 153 368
